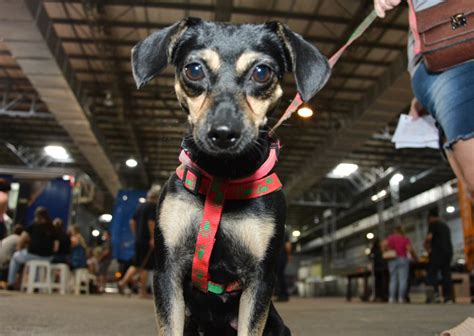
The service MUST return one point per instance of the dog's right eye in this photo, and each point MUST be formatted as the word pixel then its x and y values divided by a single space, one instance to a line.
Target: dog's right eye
pixel 194 71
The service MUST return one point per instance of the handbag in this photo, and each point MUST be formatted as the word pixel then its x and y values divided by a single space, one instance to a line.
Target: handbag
pixel 444 33
pixel 389 254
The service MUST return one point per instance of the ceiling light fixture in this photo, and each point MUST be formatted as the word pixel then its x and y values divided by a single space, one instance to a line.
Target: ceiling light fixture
pixel 343 170
pixel 131 163
pixel 450 209
pixel 142 200
pixel 105 218
pixel 296 233
pixel 370 236
pixel 56 152
pixel 95 233
pixel 305 112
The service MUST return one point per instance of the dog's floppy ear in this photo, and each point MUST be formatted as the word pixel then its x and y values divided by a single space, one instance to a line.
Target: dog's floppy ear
pixel 310 68
pixel 153 54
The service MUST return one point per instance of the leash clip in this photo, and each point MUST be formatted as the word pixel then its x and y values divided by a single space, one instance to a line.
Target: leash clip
pixel 191 180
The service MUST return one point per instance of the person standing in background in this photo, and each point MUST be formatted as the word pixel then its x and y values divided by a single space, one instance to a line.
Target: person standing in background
pixel 143 225
pixel 399 266
pixel 438 245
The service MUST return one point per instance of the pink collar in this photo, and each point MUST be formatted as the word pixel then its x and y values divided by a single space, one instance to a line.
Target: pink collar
pixel 262 171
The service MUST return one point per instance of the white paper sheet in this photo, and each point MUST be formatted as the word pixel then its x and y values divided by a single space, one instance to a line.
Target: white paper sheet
pixel 419 133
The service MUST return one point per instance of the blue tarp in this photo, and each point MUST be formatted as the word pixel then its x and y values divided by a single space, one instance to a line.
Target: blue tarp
pixel 56 198
pixel 123 240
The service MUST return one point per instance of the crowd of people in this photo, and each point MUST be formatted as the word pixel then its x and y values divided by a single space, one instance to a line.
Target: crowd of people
pixel 46 239
pixel 397 254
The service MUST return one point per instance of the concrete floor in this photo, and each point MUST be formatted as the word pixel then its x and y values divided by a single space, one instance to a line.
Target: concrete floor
pixel 38 315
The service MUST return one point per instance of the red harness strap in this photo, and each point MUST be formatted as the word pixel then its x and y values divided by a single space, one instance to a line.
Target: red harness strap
pixel 217 190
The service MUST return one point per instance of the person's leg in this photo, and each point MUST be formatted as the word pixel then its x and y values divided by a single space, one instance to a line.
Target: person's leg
pixel 18 259
pixel 403 273
pixel 446 281
pixel 132 270
pixel 463 153
pixel 144 283
pixel 392 268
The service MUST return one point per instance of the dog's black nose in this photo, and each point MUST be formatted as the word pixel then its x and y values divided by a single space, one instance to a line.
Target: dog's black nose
pixel 223 136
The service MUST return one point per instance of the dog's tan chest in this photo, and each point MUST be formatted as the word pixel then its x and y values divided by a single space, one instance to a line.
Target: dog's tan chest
pixel 176 215
pixel 251 232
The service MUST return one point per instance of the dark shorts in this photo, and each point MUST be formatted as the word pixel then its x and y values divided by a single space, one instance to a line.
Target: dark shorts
pixel 143 257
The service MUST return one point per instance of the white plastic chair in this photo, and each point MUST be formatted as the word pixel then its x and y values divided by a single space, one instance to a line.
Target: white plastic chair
pixel 36 275
pixel 82 277
pixel 60 271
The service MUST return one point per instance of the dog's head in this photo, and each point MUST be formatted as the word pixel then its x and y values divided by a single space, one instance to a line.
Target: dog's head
pixel 228 76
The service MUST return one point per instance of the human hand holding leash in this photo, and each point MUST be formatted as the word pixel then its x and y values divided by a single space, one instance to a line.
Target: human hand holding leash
pixel 382 6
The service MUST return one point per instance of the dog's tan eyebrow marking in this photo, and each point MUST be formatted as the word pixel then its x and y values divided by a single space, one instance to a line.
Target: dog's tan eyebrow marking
pixel 211 58
pixel 245 61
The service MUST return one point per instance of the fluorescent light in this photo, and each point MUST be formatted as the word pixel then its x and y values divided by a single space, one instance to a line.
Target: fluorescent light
pixel 370 236
pixel 95 233
pixel 131 163
pixel 56 152
pixel 305 112
pixel 142 200
pixel 450 209
pixel 296 233
pixel 381 194
pixel 343 170
pixel 396 179
pixel 105 218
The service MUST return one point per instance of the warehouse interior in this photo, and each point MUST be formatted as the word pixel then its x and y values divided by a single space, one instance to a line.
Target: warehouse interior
pixel 70 112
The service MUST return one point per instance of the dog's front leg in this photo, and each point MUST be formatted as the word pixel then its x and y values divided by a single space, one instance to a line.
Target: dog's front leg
pixel 254 305
pixel 169 303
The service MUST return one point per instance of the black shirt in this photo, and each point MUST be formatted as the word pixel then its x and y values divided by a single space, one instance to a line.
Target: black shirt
pixel 144 213
pixel 42 240
pixel 441 246
pixel 64 244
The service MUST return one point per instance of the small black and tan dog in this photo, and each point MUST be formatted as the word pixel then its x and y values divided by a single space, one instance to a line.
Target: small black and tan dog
pixel 228 80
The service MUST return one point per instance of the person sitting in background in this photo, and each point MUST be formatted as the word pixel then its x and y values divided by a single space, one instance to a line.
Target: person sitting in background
pixel 92 260
pixel 7 247
pixel 37 242
pixel 61 256
pixel 399 266
pixel 78 257
pixel 439 246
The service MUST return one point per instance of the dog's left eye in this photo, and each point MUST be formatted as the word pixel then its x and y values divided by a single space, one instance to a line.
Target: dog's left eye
pixel 194 71
pixel 262 74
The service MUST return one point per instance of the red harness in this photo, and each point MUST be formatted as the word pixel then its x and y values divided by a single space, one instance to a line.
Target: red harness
pixel 217 190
